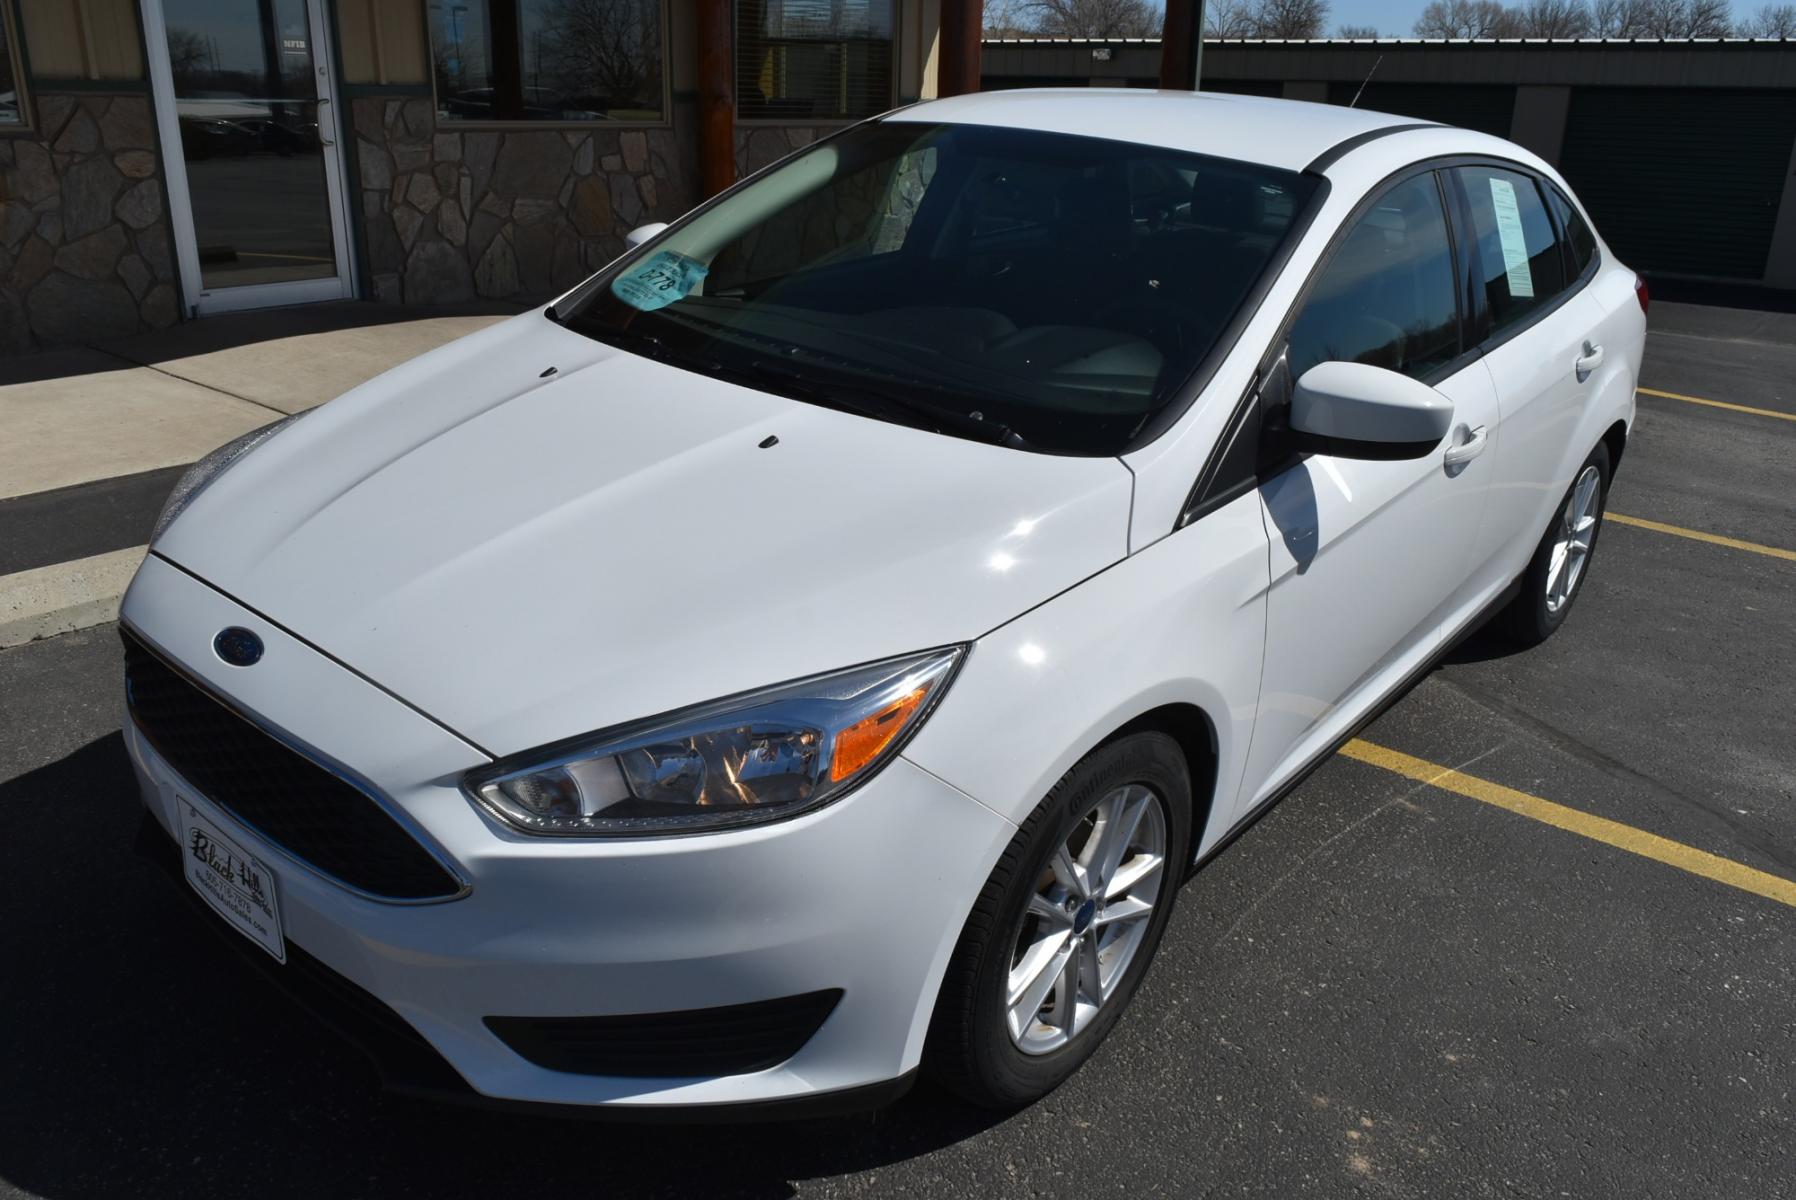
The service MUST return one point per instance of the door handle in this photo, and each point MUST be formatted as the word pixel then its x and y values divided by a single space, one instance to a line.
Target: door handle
pixel 1464 452
pixel 1590 360
pixel 322 139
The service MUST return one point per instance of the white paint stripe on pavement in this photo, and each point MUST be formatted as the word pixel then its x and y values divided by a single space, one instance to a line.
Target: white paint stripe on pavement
pixel 46 601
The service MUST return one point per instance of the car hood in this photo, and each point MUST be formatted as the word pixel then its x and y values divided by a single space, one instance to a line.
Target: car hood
pixel 527 555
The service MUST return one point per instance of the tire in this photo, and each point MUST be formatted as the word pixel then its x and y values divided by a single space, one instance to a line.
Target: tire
pixel 1536 612
pixel 973 1046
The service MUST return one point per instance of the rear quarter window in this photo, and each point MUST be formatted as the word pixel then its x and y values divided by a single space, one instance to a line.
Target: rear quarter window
pixel 1580 243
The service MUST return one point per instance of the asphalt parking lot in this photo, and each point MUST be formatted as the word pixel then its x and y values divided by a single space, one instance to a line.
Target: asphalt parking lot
pixel 1385 987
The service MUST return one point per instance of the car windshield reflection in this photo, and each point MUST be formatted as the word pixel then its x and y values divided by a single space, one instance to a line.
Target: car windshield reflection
pixel 1041 290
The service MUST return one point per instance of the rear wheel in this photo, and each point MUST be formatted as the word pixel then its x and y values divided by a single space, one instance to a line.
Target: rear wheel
pixel 1065 928
pixel 1556 573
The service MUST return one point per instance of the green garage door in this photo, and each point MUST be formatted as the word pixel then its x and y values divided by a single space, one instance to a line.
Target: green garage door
pixel 1683 181
pixel 1474 106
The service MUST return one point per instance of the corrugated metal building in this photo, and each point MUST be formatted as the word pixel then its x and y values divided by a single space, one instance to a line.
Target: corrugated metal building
pixel 1682 149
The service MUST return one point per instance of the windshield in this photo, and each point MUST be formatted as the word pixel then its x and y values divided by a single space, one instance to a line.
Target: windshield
pixel 1038 290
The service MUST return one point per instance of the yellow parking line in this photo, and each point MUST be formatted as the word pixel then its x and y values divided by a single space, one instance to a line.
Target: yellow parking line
pixel 1757 412
pixel 1600 829
pixel 1697 535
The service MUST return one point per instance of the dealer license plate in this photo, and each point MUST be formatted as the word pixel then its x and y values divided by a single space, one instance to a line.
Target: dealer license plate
pixel 237 884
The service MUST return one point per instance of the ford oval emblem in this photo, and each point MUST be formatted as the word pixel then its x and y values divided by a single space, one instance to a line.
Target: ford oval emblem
pixel 238 646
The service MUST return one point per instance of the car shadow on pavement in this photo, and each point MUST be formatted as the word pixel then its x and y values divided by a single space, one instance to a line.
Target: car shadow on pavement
pixel 144 1059
pixel 1482 644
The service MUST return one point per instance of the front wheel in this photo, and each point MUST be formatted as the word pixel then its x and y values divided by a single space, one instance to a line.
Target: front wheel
pixel 1064 930
pixel 1561 561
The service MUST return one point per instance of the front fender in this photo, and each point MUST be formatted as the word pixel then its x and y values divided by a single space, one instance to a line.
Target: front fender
pixel 1182 621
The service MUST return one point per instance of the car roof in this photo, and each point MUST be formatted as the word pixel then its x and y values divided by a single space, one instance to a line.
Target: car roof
pixel 1279 133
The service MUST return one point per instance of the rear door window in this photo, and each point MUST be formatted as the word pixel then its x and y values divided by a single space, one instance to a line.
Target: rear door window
pixel 1387 296
pixel 1516 258
pixel 1580 243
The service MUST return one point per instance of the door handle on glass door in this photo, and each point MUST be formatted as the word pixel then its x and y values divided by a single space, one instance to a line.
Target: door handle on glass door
pixel 1590 360
pixel 1461 453
pixel 322 127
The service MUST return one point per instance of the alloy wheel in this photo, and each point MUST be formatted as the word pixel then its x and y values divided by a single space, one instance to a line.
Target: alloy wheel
pixel 1086 921
pixel 1577 529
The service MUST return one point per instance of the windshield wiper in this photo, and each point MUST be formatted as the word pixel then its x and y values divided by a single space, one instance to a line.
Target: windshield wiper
pixel 856 397
pixel 880 402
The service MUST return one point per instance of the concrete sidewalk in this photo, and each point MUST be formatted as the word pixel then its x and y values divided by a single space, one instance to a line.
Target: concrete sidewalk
pixel 92 437
pixel 73 415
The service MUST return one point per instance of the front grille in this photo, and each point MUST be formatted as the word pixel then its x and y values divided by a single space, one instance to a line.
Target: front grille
pixel 733 1040
pixel 274 789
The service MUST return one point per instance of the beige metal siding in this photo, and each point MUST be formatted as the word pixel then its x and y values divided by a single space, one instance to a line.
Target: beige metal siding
pixel 117 52
pixel 382 41
pixel 355 42
pixel 82 39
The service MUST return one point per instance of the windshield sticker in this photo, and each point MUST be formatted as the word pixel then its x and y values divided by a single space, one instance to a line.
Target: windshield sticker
pixel 659 280
pixel 1515 246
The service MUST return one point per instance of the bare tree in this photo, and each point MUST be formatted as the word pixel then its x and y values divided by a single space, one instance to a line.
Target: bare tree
pixel 1772 21
pixel 603 50
pixel 1356 31
pixel 1551 19
pixel 1095 18
pixel 189 55
pixel 1663 18
pixel 1617 18
pixel 1230 19
pixel 1465 19
pixel 1708 18
pixel 1290 18
pixel 1008 18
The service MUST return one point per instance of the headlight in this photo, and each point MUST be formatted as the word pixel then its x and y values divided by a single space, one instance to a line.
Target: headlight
pixel 762 756
pixel 211 467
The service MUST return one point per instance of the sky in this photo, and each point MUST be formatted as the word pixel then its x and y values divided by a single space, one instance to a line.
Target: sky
pixel 1393 18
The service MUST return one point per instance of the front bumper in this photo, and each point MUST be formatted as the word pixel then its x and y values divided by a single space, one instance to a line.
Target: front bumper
pixel 867 895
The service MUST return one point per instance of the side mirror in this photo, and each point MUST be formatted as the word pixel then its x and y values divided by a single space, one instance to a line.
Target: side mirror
pixel 1353 410
pixel 642 233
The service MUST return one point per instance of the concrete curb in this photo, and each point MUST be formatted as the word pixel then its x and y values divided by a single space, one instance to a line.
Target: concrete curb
pixel 46 601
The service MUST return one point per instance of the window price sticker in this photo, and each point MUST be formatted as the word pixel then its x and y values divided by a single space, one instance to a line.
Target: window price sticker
pixel 1509 232
pixel 659 280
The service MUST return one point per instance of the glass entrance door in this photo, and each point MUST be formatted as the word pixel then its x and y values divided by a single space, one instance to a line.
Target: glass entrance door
pixel 249 136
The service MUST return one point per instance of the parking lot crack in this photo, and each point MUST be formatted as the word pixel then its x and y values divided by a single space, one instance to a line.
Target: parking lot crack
pixel 1303 864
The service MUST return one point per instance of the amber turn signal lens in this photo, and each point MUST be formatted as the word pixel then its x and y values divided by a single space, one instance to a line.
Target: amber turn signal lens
pixel 862 741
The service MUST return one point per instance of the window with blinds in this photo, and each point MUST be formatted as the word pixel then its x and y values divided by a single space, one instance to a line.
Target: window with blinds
pixel 803 60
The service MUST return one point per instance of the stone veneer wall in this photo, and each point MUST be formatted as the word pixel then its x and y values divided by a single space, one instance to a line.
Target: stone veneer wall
pixel 85 249
pixel 759 145
pixel 449 214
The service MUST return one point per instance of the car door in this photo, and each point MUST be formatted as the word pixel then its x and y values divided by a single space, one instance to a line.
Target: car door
pixel 1539 330
pixel 1367 555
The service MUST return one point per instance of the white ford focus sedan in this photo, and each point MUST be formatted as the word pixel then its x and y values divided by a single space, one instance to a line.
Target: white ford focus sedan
pixel 816 648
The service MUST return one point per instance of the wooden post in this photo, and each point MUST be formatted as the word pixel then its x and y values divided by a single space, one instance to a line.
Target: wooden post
pixel 962 23
pixel 716 104
pixel 1182 45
